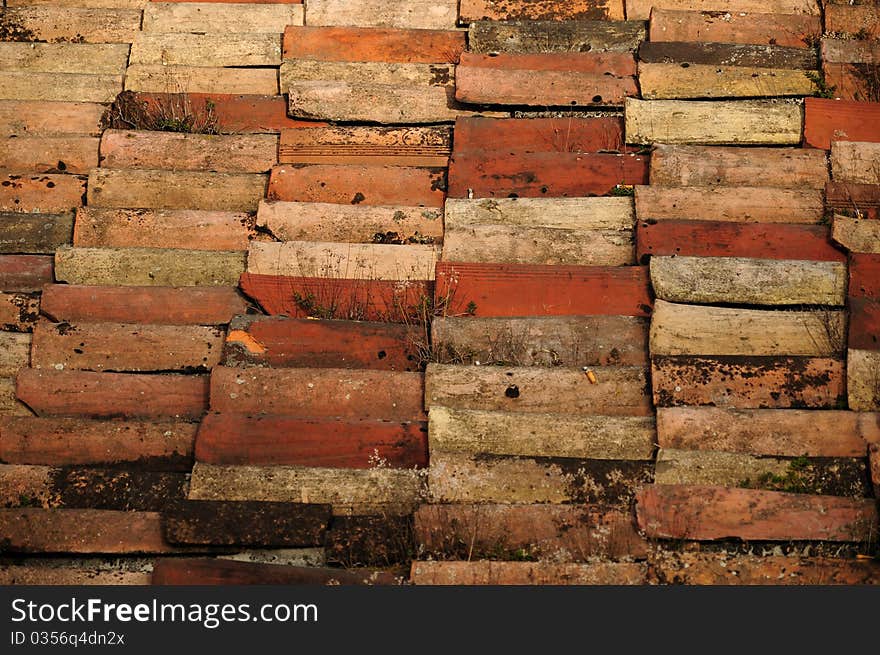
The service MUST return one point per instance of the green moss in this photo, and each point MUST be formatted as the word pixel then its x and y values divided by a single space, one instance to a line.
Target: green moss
pixel 623 190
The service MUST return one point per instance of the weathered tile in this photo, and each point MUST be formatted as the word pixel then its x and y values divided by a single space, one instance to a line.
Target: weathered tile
pixel 567 532
pixel 303 343
pixel 739 26
pixel 246 153
pixel 748 281
pixel 332 43
pixel 526 573
pixel 775 432
pixel 149 189
pixel 110 395
pixel 275 440
pixel 194 229
pixel 367 184
pixel 342 260
pixel 22 233
pixel 362 394
pixel 165 445
pixel 350 491
pixel 734 122
pixel 706 513
pixel 221 17
pixel 148 267
pixel 679 329
pixel 541 340
pixel 746 204
pixel 94 346
pixel 618 390
pixel 496 290
pixel 165 305
pixel 749 382
pixel 541 435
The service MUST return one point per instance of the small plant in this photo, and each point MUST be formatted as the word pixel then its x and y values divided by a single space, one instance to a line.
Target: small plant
pixel 28 501
pixel 823 90
pixel 623 190
pixel 169 112
pixel 812 41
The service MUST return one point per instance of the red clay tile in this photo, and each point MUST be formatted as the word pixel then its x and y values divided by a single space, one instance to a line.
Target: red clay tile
pixel 157 305
pixel 93 346
pixel 525 290
pixel 850 81
pixel 581 79
pixel 864 323
pixel 166 445
pixel 158 228
pixel 849 197
pixel 352 299
pixel 864 276
pixel 734 166
pixel 293 342
pixel 543 174
pixel 61 154
pixel 615 64
pixel 234 113
pixel 829 120
pixel 524 135
pixel 862 19
pixel 379 145
pixel 233 153
pixel 26 272
pixel 110 395
pixel 774 432
pixel 793 30
pixel 705 513
pixel 736 204
pixel 47 193
pixel 259 2
pixel 319 393
pixel 38 118
pixel 728 239
pixel 293 441
pixel 85 531
pixel 373 44
pixel 367 184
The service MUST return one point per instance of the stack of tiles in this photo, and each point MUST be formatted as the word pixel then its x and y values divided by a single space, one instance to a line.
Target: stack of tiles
pixel 748 335
pixel 540 422
pixel 854 162
pixel 61 64
pixel 322 400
